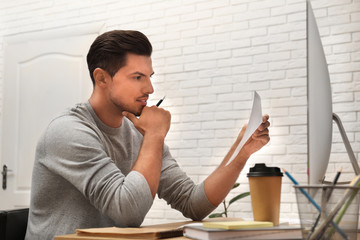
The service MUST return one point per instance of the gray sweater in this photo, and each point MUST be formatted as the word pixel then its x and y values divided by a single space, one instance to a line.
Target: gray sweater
pixel 82 178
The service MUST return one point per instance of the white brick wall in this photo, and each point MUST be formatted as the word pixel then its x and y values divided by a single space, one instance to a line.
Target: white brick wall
pixel 208 58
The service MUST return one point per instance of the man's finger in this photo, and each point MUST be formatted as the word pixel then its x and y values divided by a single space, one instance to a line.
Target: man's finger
pixel 263 126
pixel 265 117
pixel 261 133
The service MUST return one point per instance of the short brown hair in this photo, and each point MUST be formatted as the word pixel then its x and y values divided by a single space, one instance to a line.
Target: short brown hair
pixel 109 50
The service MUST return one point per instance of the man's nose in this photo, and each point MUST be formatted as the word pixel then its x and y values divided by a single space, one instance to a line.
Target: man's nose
pixel 149 87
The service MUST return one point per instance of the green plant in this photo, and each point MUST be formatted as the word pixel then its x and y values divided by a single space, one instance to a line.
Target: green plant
pixel 226 206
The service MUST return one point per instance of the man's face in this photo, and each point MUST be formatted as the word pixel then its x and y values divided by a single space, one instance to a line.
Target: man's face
pixel 130 87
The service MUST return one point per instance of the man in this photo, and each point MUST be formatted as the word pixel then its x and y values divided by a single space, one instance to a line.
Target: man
pixel 102 162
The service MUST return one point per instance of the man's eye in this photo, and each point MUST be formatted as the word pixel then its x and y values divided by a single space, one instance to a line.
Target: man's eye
pixel 137 77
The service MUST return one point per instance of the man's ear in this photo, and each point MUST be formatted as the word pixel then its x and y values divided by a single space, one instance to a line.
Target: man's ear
pixel 100 76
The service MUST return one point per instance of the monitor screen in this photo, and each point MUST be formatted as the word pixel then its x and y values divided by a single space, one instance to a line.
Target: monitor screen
pixel 319 103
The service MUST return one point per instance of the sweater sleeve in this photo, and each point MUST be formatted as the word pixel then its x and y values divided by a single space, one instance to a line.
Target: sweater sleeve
pixel 74 151
pixel 181 192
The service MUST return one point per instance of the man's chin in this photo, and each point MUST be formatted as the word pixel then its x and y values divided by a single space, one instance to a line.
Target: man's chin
pixel 137 113
pixel 136 110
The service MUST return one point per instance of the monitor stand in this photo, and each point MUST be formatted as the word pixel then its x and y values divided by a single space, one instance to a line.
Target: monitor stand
pixel 349 150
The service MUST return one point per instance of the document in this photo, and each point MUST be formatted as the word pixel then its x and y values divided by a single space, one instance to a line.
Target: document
pixel 254 122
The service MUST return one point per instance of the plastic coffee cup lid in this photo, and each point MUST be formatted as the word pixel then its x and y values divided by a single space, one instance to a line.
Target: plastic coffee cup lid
pixel 261 170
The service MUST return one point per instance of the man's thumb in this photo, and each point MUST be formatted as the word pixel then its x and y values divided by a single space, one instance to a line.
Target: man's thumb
pixel 130 116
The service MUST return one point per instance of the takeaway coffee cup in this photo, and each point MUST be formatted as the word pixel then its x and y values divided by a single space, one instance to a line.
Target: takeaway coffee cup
pixel 265 191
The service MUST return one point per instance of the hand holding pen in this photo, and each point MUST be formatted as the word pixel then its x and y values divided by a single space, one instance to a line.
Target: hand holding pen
pixel 151 120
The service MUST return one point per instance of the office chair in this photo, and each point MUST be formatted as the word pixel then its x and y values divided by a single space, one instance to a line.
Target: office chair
pixel 13 224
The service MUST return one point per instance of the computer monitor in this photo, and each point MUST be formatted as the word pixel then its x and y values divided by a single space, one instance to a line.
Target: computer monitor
pixel 320 113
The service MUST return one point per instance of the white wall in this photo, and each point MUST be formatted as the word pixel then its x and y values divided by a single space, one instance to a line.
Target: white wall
pixel 208 57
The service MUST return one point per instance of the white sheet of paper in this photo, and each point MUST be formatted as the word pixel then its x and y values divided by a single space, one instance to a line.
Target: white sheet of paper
pixel 254 122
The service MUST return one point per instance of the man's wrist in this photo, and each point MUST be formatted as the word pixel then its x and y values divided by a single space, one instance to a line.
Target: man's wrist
pixel 155 136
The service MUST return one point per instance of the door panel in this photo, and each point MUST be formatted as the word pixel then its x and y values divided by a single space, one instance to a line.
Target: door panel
pixel 44 74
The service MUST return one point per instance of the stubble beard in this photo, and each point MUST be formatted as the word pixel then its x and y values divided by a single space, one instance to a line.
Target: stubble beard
pixel 123 107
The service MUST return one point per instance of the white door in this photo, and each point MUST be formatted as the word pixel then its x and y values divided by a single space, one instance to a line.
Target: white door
pixel 45 72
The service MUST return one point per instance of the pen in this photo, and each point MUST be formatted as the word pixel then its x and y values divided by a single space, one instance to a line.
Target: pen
pixel 303 191
pixel 334 183
pixel 161 100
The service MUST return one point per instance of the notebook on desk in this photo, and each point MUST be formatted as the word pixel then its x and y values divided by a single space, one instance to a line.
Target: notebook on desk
pixel 158 232
pixel 198 231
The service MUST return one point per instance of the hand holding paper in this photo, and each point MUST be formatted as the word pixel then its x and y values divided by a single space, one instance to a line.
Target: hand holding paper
pixel 254 122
